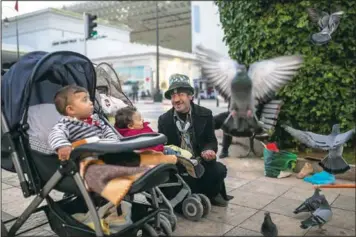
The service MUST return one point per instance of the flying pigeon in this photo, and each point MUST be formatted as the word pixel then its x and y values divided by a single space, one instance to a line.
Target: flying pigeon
pixel 268 228
pixel 312 203
pixel 245 87
pixel 319 217
pixel 327 24
pixel 333 162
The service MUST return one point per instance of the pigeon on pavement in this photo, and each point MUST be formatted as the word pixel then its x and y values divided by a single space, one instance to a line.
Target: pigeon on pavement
pixel 312 203
pixel 319 217
pixel 268 228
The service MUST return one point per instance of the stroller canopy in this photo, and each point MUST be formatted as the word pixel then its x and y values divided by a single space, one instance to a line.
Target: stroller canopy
pixel 37 76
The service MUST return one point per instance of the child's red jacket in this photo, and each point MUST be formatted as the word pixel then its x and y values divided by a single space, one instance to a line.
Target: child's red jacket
pixel 127 132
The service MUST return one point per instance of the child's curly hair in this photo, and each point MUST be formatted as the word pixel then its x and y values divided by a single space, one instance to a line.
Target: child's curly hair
pixel 123 117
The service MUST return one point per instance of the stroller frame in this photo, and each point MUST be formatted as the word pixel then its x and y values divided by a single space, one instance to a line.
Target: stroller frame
pixel 16 146
pixel 116 79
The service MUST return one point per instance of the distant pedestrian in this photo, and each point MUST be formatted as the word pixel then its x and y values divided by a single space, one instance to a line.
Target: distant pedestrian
pixel 135 92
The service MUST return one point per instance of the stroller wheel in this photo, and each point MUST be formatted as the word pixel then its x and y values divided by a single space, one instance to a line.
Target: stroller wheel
pixel 165 219
pixel 206 204
pixel 165 227
pixel 172 219
pixel 148 231
pixel 192 209
pixel 196 196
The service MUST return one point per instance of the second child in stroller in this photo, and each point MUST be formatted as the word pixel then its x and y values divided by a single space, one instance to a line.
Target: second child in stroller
pixel 129 122
pixel 79 125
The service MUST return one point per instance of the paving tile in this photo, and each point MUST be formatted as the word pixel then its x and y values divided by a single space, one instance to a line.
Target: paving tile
pixel 302 194
pixel 13 194
pixel 345 202
pixel 238 231
pixel 350 192
pixel 18 206
pixel 232 214
pixel 287 226
pixel 34 220
pixel 202 228
pixel 265 188
pixel 37 232
pixel 56 195
pixel 291 181
pixel 286 206
pixel 5 216
pixel 250 199
pixel 13 181
pixel 244 164
pixel 249 175
pixel 6 174
pixel 343 219
pixel 5 186
pixel 234 183
pixel 330 231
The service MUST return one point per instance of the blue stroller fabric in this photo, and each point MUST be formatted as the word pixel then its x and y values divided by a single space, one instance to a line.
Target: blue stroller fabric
pixel 320 178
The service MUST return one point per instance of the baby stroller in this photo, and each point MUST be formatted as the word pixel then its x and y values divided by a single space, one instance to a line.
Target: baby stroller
pixel 28 114
pixel 194 206
pixel 109 91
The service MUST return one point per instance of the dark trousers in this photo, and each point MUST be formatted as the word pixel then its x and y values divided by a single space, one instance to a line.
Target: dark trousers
pixel 134 96
pixel 218 122
pixel 212 182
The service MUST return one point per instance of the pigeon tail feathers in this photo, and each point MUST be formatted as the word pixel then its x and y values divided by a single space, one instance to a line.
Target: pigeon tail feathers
pixel 335 165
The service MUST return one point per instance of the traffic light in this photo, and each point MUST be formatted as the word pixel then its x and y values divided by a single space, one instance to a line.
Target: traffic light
pixel 89 25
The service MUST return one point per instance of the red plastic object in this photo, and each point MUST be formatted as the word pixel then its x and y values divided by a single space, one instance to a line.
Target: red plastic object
pixel 272 147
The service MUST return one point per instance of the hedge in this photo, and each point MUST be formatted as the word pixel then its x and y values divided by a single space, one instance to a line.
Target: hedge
pixel 324 92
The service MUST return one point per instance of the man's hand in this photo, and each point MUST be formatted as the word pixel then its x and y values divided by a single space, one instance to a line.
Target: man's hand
pixel 208 155
pixel 64 152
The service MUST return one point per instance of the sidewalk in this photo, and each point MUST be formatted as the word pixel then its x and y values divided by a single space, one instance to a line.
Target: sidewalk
pixel 254 194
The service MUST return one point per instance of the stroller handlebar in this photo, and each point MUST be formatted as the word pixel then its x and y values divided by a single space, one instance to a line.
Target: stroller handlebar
pixel 126 144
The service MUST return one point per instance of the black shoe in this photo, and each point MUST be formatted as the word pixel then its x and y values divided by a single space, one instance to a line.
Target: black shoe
pixel 223 154
pixel 219 201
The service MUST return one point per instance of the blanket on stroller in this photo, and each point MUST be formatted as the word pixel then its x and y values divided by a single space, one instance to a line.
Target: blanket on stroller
pixel 115 189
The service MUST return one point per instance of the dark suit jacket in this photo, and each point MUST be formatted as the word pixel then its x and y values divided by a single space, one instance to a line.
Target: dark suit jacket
pixel 203 129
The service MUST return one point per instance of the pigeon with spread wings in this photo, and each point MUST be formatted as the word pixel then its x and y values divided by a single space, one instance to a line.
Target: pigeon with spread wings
pixel 245 87
pixel 327 24
pixel 333 162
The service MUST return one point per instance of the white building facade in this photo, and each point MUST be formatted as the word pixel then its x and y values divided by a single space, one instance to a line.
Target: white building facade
pixel 54 29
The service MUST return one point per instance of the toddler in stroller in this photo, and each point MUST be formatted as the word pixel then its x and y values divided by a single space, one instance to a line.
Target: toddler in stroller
pixel 79 126
pixel 29 114
pixel 129 122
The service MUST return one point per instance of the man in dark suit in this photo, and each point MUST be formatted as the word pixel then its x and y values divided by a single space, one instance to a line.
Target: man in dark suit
pixel 191 127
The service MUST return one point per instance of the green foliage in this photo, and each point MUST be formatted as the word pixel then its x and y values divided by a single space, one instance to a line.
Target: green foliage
pixel 324 92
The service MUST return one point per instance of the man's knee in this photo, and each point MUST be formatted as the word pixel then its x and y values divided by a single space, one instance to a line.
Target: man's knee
pixel 216 169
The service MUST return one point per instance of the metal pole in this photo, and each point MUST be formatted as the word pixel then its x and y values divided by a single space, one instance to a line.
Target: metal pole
pixel 17 39
pixel 85 34
pixel 157 48
pixel 85 47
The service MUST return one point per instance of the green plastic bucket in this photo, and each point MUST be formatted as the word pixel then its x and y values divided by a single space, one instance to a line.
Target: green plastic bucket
pixel 278 161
